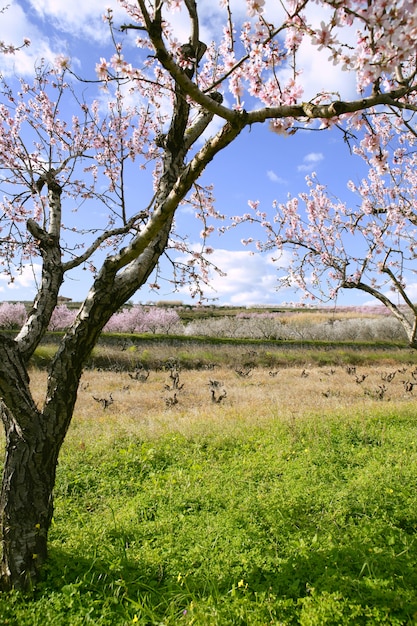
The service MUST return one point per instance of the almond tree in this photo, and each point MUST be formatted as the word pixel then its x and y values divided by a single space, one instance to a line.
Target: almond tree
pixel 61 318
pixel 140 319
pixel 53 163
pixel 368 244
pixel 12 316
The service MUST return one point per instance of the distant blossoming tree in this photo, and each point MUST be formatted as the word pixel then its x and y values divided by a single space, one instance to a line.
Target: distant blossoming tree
pixel 55 166
pixel 128 320
pixel 139 319
pixel 62 317
pixel 12 316
pixel 161 320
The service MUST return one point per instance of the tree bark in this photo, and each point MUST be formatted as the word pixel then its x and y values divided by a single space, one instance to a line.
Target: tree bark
pixel 28 474
pixel 26 505
pixel 52 275
pixel 34 437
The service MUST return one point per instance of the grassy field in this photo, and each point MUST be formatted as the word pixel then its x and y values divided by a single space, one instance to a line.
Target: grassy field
pixel 290 500
pixel 127 352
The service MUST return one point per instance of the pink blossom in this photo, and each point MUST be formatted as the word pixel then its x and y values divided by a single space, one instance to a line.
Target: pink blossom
pixel 139 319
pixel 323 37
pixel 102 69
pixel 255 7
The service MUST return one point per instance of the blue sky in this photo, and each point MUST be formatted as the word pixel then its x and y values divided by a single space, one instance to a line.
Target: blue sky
pixel 260 165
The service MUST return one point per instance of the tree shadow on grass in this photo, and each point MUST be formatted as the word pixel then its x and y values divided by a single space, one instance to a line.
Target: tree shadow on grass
pixel 355 584
pixel 87 590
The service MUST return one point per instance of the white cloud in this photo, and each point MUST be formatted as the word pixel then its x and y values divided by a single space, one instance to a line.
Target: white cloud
pixel 250 278
pixel 319 75
pixel 78 17
pixel 273 177
pixel 52 28
pixel 24 283
pixel 15 26
pixel 310 161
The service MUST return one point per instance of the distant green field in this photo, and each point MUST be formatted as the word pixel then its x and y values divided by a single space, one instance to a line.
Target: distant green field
pixel 126 352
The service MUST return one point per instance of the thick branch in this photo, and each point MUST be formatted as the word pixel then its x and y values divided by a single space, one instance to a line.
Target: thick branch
pixel 333 109
pixel 166 209
pixel 52 276
pixel 14 388
pixel 194 38
pixel 180 77
pixel 395 310
pixel 397 284
pixel 204 118
pixel 106 295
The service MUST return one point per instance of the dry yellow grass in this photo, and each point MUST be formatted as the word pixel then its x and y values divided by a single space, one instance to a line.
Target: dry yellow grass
pixel 145 407
pixel 308 318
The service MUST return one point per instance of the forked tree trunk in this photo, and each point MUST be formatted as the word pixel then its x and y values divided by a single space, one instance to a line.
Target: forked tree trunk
pixel 34 437
pixel 26 505
pixel 32 446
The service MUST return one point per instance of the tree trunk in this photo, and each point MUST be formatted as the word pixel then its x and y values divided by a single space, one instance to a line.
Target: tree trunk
pixel 26 503
pixel 32 447
pixel 34 437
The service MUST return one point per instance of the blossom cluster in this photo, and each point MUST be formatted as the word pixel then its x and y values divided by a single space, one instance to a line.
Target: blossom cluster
pixel 256 59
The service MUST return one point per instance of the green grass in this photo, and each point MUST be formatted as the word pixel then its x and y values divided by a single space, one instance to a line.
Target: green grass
pixel 308 521
pixel 155 351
